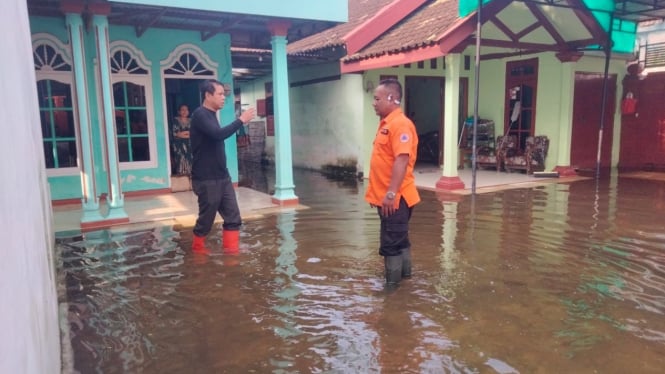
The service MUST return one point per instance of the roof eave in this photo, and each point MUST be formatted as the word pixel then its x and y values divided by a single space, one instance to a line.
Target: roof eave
pixel 374 27
pixel 457 34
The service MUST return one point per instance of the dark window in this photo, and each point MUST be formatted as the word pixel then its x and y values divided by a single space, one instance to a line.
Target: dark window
pixel 131 122
pixel 57 122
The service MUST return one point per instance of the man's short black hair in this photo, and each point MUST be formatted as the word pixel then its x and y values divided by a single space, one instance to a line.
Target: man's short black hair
pixel 209 85
pixel 393 85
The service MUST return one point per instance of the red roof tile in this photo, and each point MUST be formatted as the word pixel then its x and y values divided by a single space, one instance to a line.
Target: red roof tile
pixel 359 12
pixel 422 28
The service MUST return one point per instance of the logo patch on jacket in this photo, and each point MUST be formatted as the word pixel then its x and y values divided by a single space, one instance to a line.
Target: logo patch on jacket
pixel 404 138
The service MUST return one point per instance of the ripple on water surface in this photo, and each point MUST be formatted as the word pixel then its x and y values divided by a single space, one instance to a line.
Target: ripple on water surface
pixel 565 277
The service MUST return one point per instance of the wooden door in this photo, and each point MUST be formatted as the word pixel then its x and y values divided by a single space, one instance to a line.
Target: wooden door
pixel 520 104
pixel 587 105
pixel 643 133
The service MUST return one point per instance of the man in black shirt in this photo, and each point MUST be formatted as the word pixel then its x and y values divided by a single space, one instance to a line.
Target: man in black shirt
pixel 211 181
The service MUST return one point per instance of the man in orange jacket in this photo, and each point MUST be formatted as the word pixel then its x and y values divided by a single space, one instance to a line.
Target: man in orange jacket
pixel 392 188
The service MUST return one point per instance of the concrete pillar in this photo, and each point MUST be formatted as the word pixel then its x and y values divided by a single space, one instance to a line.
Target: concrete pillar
pixel 450 180
pixel 284 186
pixel 89 201
pixel 116 211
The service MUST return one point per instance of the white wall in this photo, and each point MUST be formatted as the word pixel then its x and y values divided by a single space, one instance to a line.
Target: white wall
pixel 29 342
pixel 326 115
pixel 333 119
pixel 326 122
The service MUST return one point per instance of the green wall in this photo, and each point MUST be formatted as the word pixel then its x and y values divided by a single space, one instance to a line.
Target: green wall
pixel 555 88
pixel 156 45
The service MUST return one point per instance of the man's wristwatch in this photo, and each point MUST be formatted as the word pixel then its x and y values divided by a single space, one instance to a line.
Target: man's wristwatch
pixel 390 195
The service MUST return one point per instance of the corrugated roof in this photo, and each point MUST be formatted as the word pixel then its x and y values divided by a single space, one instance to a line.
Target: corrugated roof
pixel 359 12
pixel 420 29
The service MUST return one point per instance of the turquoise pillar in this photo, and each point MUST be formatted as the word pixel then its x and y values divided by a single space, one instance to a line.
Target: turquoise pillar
pixel 89 201
pixel 284 186
pixel 285 269
pixel 115 199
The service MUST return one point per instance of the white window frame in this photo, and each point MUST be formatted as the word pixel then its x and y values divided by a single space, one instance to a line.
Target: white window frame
pixel 144 80
pixel 65 77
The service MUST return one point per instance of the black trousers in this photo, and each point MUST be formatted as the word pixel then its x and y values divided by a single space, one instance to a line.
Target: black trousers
pixel 395 230
pixel 216 196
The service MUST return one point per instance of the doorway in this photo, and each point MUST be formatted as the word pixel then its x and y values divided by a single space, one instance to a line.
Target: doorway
pixel 424 106
pixel 179 92
pixel 520 101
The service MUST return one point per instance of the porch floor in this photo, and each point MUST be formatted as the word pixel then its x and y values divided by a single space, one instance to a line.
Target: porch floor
pixel 180 208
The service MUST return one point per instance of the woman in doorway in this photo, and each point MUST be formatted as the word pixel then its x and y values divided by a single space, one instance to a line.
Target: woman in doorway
pixel 181 149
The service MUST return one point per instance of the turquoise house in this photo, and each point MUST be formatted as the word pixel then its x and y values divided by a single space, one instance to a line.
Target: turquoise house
pixel 110 76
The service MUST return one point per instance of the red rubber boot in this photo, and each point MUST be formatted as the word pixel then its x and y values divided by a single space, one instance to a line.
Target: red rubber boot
pixel 198 245
pixel 231 242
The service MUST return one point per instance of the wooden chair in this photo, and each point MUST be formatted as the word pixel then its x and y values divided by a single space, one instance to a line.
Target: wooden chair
pixel 505 148
pixel 533 159
pixel 493 158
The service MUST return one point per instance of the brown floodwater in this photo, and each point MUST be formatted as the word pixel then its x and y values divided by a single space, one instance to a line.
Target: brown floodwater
pixel 563 278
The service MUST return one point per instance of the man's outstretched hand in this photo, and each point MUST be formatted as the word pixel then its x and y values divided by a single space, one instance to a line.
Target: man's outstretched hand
pixel 247 115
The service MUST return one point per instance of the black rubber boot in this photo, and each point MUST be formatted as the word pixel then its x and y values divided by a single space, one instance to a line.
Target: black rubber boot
pixel 393 267
pixel 406 262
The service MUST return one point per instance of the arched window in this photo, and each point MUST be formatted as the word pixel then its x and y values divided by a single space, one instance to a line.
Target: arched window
pixel 133 109
pixel 53 69
pixel 189 61
pixel 122 62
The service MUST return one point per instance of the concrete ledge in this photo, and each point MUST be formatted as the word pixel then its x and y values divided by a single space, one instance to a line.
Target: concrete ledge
pixel 104 224
pixel 181 183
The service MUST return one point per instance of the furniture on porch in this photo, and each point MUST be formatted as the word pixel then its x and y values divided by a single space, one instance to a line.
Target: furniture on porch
pixel 484 140
pixel 532 159
pixel 508 157
pixel 493 158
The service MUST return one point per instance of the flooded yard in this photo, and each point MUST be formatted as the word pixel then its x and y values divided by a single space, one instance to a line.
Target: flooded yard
pixel 558 278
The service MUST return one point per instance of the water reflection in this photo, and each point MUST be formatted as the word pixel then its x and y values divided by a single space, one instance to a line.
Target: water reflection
pixel 563 278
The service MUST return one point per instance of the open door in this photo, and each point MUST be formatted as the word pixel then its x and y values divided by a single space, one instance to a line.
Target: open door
pixel 424 106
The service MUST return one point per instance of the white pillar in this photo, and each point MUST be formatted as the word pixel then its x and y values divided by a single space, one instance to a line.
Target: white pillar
pixel 449 178
pixel 116 211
